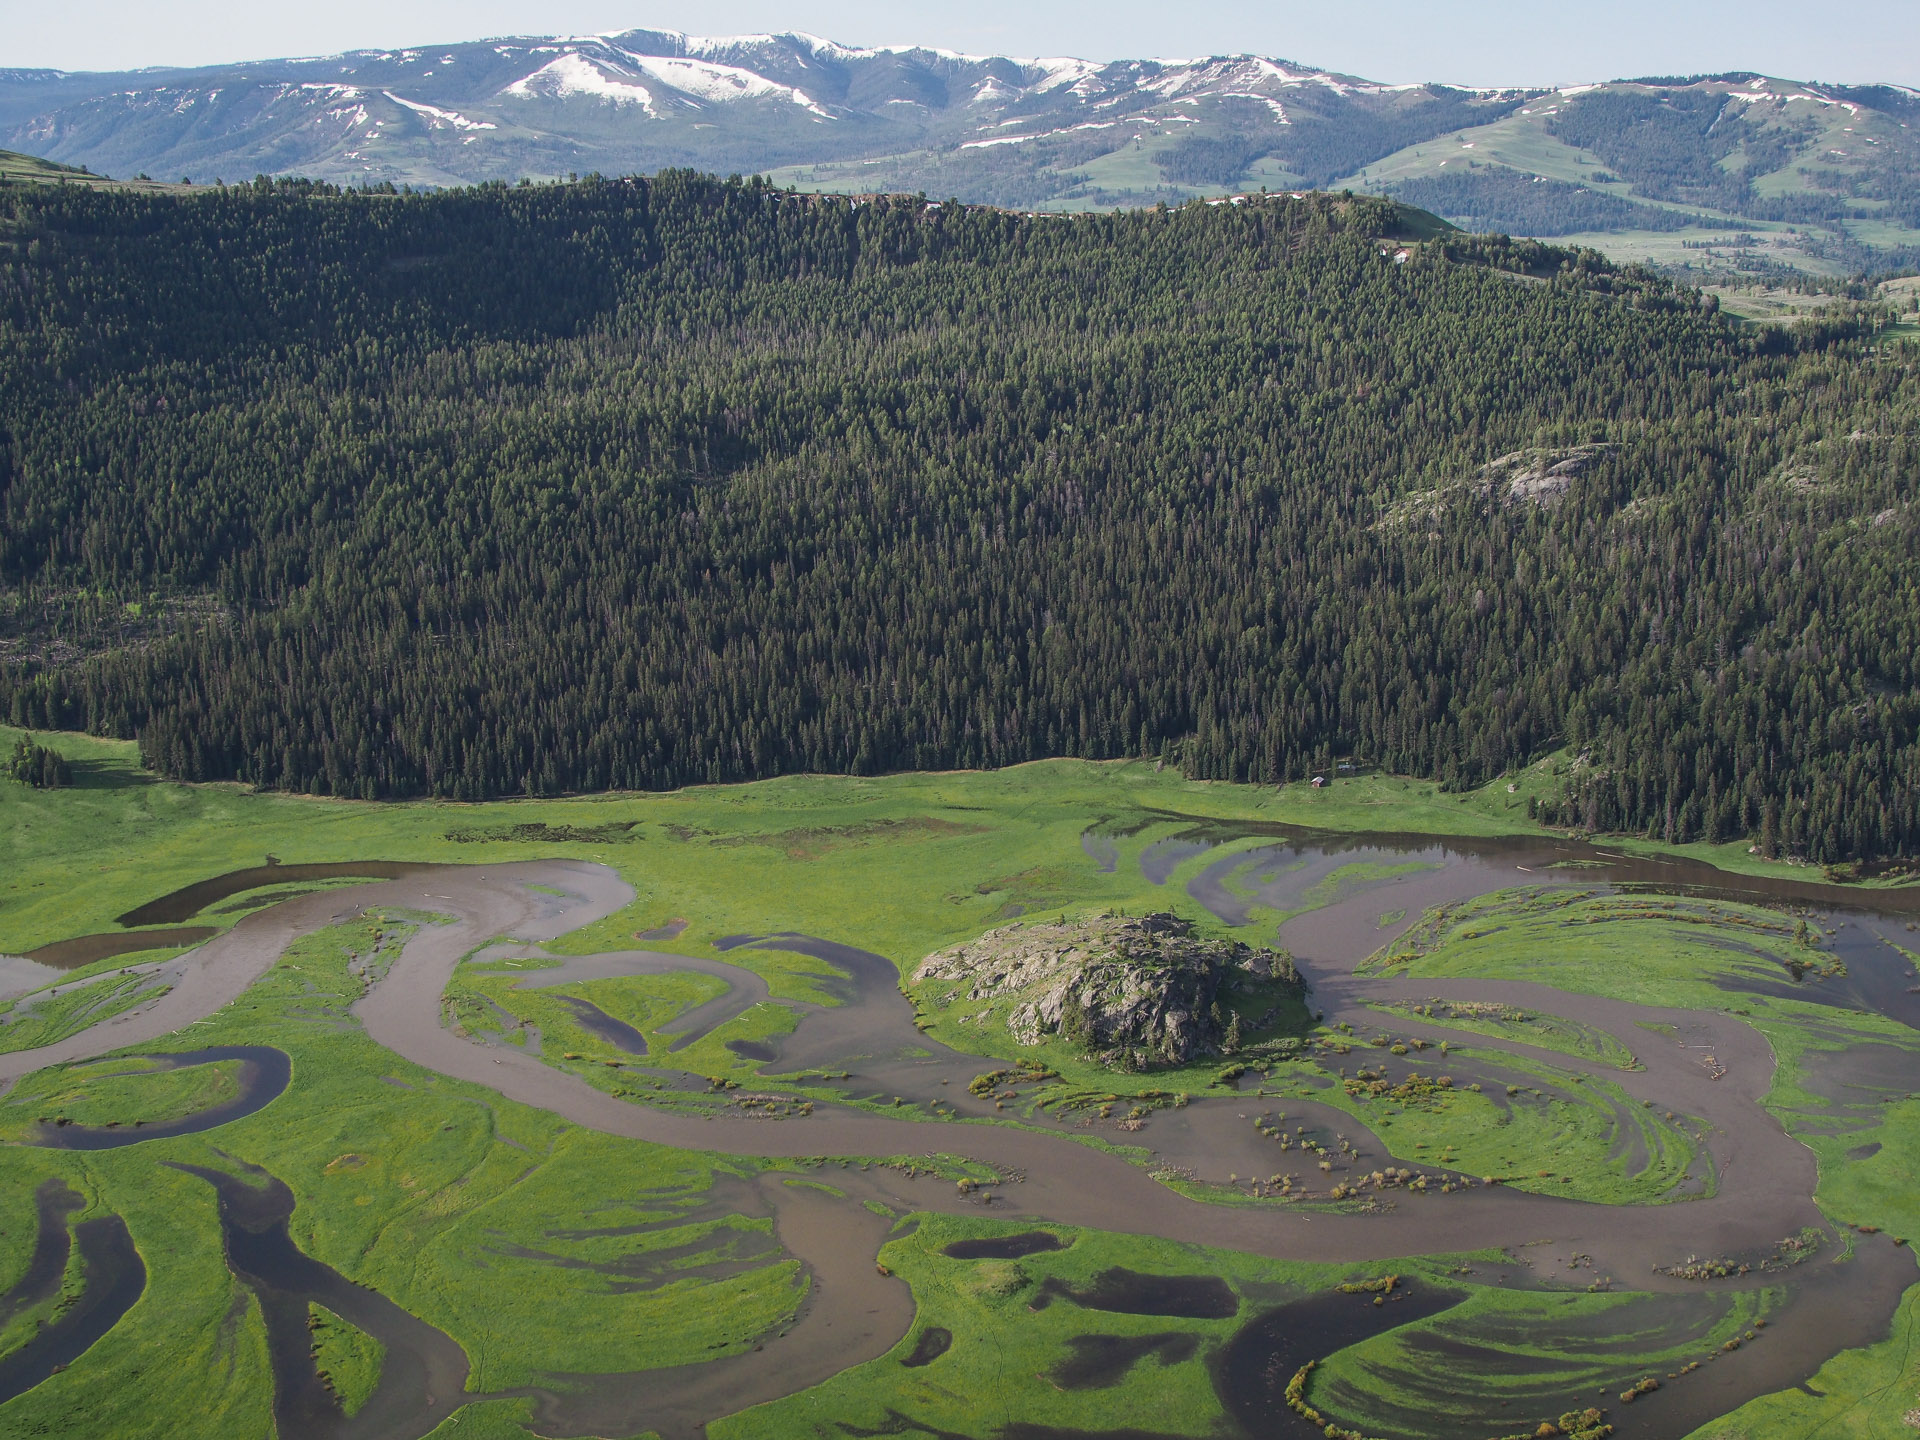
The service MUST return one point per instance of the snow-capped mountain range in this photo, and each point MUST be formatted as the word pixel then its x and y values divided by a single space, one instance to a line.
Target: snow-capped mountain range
pixel 1663 154
pixel 642 99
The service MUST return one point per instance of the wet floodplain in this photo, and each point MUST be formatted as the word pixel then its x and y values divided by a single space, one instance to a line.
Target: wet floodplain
pixel 423 1373
pixel 1372 1175
pixel 261 1075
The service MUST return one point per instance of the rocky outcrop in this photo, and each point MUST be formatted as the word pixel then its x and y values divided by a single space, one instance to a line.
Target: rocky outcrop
pixel 1133 992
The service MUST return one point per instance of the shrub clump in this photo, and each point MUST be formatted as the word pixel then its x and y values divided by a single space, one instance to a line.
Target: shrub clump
pixel 36 765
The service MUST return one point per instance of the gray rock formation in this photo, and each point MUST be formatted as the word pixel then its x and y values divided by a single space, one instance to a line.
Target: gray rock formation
pixel 1133 992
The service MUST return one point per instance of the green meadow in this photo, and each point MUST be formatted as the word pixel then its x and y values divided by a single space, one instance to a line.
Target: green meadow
pixel 1645 949
pixel 346 1357
pixel 963 850
pixel 1548 1130
pixel 1531 1353
pixel 115 1092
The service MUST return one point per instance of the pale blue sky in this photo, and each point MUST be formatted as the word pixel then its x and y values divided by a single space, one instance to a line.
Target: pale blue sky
pixel 1468 42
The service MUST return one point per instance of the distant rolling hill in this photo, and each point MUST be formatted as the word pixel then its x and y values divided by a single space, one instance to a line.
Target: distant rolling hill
pixel 1726 173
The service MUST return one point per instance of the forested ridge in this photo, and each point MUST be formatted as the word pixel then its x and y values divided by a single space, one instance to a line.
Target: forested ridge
pixel 638 483
pixel 1508 201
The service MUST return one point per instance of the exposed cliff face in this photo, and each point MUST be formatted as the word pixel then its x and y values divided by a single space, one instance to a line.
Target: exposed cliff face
pixel 1133 992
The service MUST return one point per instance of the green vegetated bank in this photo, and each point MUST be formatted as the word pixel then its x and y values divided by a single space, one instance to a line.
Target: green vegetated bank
pixel 1647 949
pixel 43 1017
pixel 1090 1326
pixel 1510 1022
pixel 129 1091
pixel 1827 1092
pixel 626 484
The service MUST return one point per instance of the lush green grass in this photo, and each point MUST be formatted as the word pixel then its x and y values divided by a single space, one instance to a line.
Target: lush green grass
pixel 1528 1356
pixel 1524 1027
pixel 961 849
pixel 484 1001
pixel 491 1221
pixel 1549 1131
pixel 997 1369
pixel 195 1325
pixel 1002 1364
pixel 347 1358
pixel 1647 949
pixel 1659 951
pixel 17 1242
pixel 43 1017
pixel 115 1092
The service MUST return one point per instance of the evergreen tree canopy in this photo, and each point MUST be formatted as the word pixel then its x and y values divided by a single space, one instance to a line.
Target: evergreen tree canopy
pixel 638 483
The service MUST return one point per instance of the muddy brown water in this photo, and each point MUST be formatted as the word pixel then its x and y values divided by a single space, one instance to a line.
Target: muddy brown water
pixel 851 1313
pixel 190 900
pixel 1252 1370
pixel 53 1202
pixel 1095 1362
pixel 86 949
pixel 1128 1292
pixel 934 1342
pixel 596 1021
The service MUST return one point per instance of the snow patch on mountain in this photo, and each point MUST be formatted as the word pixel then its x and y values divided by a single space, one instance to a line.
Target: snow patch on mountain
pixel 1079 76
pixel 706 80
pixel 574 74
pixel 440 118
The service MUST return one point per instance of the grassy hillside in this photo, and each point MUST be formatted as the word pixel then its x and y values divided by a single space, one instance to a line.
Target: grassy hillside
pixel 18 169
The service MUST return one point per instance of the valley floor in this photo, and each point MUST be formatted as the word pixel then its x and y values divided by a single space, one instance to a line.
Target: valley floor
pixel 621 1115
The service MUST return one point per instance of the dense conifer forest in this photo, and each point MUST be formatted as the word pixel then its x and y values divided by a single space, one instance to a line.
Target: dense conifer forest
pixel 639 483
pixel 1508 201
